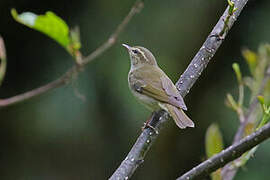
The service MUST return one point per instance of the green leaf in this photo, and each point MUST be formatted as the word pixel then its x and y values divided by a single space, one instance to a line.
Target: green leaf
pixel 266 112
pixel 231 7
pixel 75 38
pixel 213 140
pixel 213 145
pixel 261 100
pixel 230 102
pixel 237 71
pixel 75 44
pixel 265 119
pixel 249 128
pixel 216 175
pixel 49 24
pixel 251 59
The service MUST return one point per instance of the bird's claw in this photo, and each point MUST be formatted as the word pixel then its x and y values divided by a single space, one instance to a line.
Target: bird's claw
pixel 147 125
pixel 219 37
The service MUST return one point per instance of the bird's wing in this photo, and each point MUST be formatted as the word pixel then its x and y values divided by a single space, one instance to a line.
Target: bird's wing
pixel 156 84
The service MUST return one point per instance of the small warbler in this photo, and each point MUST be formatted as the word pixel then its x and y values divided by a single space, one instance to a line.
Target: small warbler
pixel 153 88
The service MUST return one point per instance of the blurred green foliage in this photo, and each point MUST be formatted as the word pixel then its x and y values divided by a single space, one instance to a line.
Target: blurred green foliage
pixel 60 136
pixel 258 82
pixel 214 145
pixel 213 140
pixel 51 25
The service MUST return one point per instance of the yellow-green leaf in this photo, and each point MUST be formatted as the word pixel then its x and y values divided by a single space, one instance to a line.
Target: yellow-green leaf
pixel 249 128
pixel 231 7
pixel 230 102
pixel 216 175
pixel 251 59
pixel 237 71
pixel 261 100
pixel 213 145
pixel 49 24
pixel 213 140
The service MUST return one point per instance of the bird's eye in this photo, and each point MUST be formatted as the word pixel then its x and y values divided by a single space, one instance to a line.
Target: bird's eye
pixel 135 51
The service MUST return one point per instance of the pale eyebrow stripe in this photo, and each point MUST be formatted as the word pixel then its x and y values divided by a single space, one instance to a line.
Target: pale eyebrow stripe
pixel 142 54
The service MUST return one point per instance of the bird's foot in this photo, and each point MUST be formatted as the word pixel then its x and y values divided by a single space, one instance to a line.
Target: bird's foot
pixel 218 36
pixel 147 125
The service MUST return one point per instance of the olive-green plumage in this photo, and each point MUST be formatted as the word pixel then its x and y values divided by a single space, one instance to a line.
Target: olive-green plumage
pixel 153 88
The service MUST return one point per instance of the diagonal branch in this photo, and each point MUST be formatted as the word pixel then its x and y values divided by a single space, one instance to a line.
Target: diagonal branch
pixel 229 154
pixel 67 77
pixel 188 78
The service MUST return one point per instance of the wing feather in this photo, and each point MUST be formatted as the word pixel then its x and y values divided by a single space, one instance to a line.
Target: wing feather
pixel 154 83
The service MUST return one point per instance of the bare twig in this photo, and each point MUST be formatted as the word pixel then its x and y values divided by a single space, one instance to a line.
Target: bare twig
pixel 228 172
pixel 38 91
pixel 188 78
pixel 229 154
pixel 138 5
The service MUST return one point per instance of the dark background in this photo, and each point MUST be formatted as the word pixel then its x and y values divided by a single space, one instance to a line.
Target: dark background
pixel 60 136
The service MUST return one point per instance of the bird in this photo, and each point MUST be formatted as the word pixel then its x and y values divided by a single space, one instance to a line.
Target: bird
pixel 153 88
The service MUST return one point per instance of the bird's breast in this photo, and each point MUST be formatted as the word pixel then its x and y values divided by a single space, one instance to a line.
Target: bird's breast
pixel 149 102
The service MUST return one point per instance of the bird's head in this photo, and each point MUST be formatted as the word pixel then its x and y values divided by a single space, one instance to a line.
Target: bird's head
pixel 140 56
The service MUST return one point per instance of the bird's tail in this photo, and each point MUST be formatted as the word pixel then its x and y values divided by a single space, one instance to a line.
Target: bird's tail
pixel 179 117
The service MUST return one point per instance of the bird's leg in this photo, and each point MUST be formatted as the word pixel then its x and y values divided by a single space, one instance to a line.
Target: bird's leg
pixel 218 36
pixel 148 125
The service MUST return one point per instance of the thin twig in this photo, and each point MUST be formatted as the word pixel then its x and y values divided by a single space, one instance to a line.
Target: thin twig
pixel 228 172
pixel 67 77
pixel 188 78
pixel 38 91
pixel 252 107
pixel 229 154
pixel 136 8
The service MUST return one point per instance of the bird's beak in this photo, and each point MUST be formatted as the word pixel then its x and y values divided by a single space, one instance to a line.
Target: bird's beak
pixel 126 46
